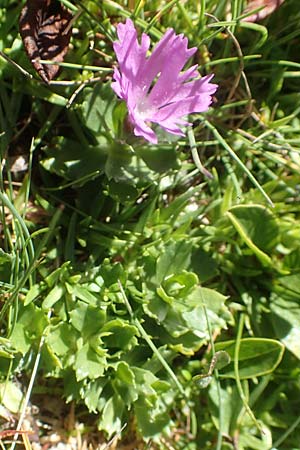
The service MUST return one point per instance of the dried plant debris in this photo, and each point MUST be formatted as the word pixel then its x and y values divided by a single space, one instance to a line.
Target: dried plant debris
pixel 45 27
pixel 267 7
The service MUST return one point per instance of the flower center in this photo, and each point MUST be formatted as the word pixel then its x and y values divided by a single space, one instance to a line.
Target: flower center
pixel 143 107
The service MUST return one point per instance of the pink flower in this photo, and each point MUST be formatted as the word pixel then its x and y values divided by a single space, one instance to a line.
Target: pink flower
pixel 155 87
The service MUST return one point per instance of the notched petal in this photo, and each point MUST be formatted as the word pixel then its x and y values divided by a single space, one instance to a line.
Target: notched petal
pixel 156 88
pixel 45 28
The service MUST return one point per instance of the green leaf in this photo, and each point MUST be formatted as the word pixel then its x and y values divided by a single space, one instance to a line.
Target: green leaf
pixel 43 92
pixel 264 442
pixel 97 108
pixel 91 393
pixel 62 339
pixel 182 323
pixel 74 161
pixel 203 265
pixel 29 327
pixel 144 381
pixel 259 223
pixel 220 360
pixel 119 334
pixel 159 158
pixel 285 317
pixel 231 405
pixel 111 273
pixel 122 192
pixel 33 293
pixel 214 302
pixel 174 259
pixel 150 421
pixel 19 338
pixel 89 364
pixel 171 212
pixel 72 387
pixel 11 396
pixel 5 257
pixel 88 320
pixel 257 357
pixel 291 287
pixel 58 274
pixel 111 418
pixel 83 293
pixel 155 400
pixel 257 227
pixel 153 364
pixel 179 285
pixel 56 294
pixel 123 165
pixel 6 348
pixel 6 261
pixel 124 383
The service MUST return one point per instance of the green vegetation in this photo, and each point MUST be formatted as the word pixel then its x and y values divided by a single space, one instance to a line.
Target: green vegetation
pixel 128 275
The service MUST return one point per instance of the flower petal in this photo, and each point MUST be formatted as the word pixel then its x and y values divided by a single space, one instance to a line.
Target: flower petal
pixel 195 87
pixel 131 56
pixel 169 79
pixel 117 84
pixel 155 88
pixel 143 130
pixel 183 107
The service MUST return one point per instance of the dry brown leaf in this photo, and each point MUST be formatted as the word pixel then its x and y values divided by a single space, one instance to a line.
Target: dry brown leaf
pixel 268 7
pixel 45 28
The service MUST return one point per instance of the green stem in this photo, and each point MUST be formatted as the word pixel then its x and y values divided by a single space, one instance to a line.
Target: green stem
pixel 149 341
pixel 236 372
pixel 287 433
pixel 33 263
pixel 6 201
pixel 238 161
pixel 29 389
pixel 216 372
pixel 195 154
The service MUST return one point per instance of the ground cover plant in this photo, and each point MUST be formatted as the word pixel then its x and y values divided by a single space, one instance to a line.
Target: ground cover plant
pixel 149 276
